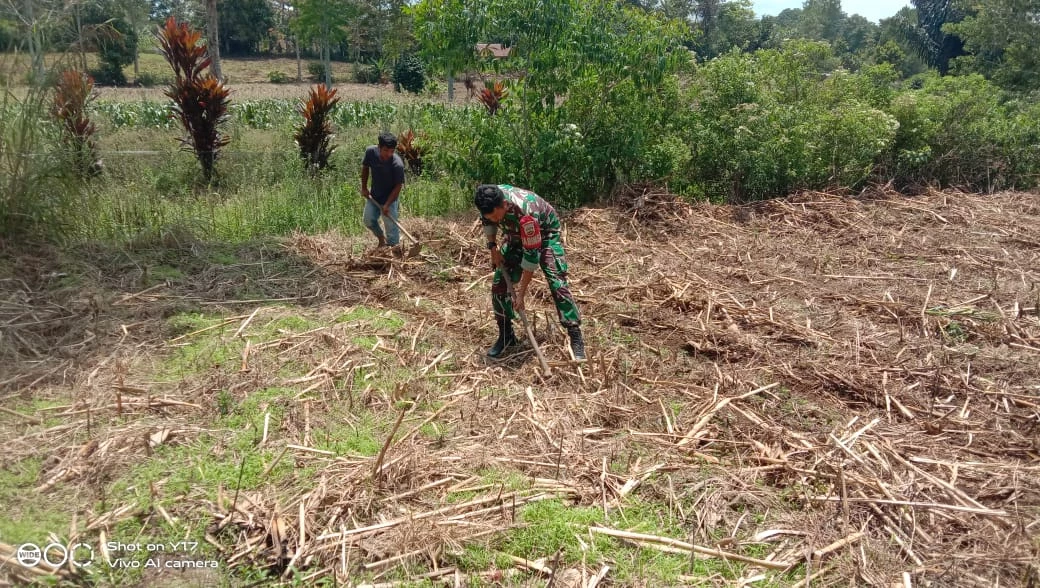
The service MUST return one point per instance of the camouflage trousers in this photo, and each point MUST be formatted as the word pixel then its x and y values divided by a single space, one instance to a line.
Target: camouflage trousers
pixel 554 266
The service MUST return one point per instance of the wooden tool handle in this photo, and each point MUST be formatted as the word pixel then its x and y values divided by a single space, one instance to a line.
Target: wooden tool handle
pixel 546 370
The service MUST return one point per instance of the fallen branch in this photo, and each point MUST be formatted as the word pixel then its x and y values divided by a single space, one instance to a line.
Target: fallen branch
pixel 689 547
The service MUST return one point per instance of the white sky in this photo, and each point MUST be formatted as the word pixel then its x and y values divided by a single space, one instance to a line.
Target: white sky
pixel 872 10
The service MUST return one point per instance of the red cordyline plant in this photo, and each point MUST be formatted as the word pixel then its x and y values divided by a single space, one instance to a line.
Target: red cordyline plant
pixel 73 92
pixel 492 96
pixel 200 100
pixel 410 151
pixel 314 136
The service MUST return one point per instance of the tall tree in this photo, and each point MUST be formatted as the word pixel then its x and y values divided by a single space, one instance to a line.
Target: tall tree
pixel 928 37
pixel 821 20
pixel 706 19
pixel 135 13
pixel 324 22
pixel 36 19
pixel 448 33
pixel 106 25
pixel 892 46
pixel 1002 37
pixel 244 25
pixel 738 26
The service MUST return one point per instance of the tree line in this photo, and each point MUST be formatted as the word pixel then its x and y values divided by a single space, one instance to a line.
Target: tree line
pixel 995 38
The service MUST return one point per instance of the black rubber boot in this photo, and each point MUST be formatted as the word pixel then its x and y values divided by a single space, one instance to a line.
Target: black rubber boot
pixel 577 343
pixel 506 339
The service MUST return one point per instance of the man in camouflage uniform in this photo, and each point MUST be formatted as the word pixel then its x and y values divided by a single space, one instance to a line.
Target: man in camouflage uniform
pixel 531 239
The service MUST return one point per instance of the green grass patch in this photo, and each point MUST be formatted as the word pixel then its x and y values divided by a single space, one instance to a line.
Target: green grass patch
pixel 375 318
pixel 38 408
pixel 203 465
pixel 360 435
pixel 28 516
pixel 198 356
pixel 162 273
pixel 511 480
pixel 184 323
pixel 260 188
pixel 227 457
pixel 201 351
pixel 552 526
pixel 286 325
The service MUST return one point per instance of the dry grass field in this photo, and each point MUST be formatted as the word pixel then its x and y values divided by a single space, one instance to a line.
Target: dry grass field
pixel 248 78
pixel 817 390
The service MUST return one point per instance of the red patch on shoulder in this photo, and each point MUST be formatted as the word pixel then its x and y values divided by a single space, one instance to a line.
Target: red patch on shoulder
pixel 530 233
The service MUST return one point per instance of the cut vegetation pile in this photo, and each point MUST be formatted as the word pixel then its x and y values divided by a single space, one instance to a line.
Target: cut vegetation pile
pixel 817 389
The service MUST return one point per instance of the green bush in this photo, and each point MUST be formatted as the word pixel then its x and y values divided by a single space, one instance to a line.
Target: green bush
pixel 410 74
pixel 960 131
pixel 316 71
pixel 150 80
pixel 433 88
pixel 108 76
pixel 116 49
pixel 765 124
pixel 372 73
pixel 9 36
pixel 665 160
pixel 277 77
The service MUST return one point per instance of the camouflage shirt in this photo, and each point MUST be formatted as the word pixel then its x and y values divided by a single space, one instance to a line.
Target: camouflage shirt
pixel 524 205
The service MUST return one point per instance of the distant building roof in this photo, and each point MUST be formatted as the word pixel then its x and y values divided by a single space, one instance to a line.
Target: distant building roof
pixel 495 50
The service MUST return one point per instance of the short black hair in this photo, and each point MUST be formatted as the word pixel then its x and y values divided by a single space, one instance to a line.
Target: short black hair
pixel 387 140
pixel 488 197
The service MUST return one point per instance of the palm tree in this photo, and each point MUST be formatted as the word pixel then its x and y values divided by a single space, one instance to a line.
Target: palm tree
pixel 926 36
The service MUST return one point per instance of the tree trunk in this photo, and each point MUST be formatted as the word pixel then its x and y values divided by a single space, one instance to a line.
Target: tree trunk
pixel 213 38
pixel 326 44
pixel 328 64
pixel 79 45
pixel 451 86
pixel 35 46
pixel 299 64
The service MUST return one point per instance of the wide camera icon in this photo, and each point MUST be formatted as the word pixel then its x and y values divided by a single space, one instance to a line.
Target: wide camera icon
pixel 29 555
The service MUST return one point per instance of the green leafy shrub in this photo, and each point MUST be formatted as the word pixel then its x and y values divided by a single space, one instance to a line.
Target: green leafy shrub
pixel 960 131
pixel 368 74
pixel 278 77
pixel 117 45
pixel 316 71
pixel 409 73
pixel 433 88
pixel 105 76
pixel 777 121
pixel 149 80
pixel 665 160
